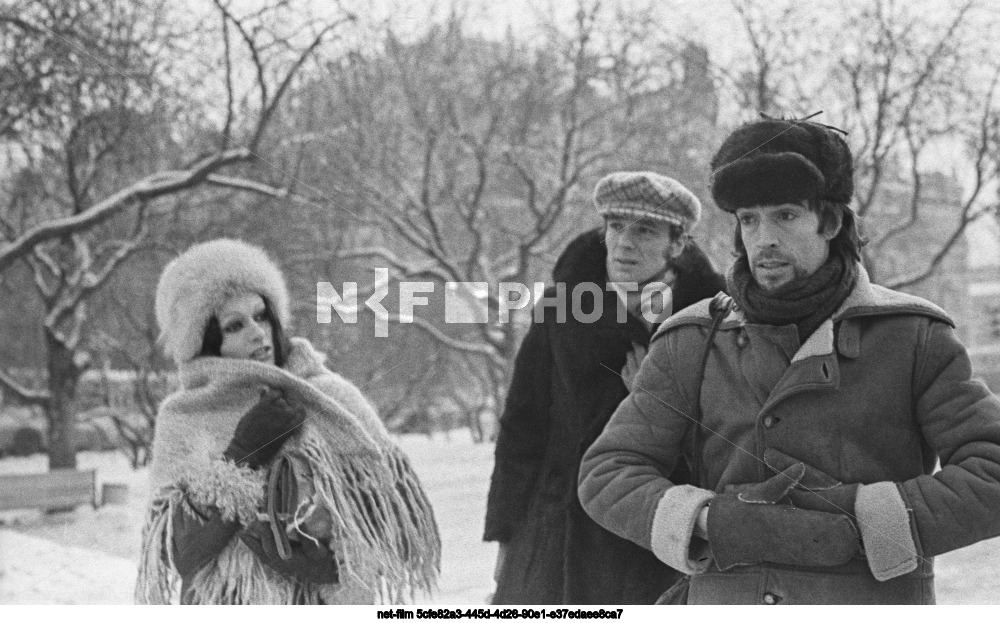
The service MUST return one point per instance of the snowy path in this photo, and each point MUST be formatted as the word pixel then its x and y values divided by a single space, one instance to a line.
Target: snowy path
pixel 39 571
pixel 87 557
pixel 456 476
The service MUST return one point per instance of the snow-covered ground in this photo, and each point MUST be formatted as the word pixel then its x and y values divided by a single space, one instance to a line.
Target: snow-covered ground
pixel 87 556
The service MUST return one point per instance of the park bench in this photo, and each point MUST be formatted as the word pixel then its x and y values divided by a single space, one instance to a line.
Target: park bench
pixel 56 489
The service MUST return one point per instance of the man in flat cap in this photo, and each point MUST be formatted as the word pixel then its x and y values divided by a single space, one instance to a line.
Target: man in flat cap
pixel 817 415
pixel 613 285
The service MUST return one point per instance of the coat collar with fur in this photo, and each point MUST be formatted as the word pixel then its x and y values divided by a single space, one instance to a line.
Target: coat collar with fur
pixel 865 300
pixel 584 260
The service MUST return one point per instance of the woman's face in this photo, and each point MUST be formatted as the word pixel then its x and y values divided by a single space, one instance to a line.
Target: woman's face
pixel 246 329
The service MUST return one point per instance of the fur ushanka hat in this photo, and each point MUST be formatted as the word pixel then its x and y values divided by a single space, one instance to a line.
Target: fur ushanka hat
pixel 776 161
pixel 193 286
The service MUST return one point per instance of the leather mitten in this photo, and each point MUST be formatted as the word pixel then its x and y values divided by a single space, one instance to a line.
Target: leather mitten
pixel 816 490
pixel 752 524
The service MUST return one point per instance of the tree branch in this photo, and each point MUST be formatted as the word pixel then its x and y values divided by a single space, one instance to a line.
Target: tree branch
pixel 20 23
pixel 150 187
pixel 246 185
pixel 27 396
pixel 428 269
pixel 228 127
pixel 917 276
pixel 254 53
pixel 453 343
pixel 268 108
pixel 984 147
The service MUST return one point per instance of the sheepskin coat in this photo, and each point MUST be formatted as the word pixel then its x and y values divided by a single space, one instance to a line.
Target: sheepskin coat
pixel 879 393
pixel 356 488
pixel 565 386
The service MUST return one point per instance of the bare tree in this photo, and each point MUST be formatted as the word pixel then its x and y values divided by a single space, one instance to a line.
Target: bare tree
pixel 912 88
pixel 904 84
pixel 134 343
pixel 470 160
pixel 99 149
pixel 771 83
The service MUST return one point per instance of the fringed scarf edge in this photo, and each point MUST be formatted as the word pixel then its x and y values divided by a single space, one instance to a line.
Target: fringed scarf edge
pixel 383 526
pixel 237 576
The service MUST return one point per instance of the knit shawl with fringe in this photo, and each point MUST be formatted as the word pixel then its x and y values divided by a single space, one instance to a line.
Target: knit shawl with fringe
pixel 356 488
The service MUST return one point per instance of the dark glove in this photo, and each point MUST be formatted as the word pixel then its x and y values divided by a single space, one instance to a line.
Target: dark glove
pixel 304 560
pixel 265 427
pixel 748 525
pixel 816 490
pixel 309 562
pixel 199 535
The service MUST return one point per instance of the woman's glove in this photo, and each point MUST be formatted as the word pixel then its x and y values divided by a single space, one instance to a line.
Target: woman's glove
pixel 750 524
pixel 305 560
pixel 199 535
pixel 309 562
pixel 265 427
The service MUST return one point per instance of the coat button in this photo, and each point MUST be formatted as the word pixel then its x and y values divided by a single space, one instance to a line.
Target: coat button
pixel 742 340
pixel 770 599
pixel 770 421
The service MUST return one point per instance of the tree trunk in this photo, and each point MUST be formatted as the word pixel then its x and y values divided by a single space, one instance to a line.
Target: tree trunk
pixel 63 376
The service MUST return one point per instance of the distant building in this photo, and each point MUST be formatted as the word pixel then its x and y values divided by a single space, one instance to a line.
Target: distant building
pixel 912 248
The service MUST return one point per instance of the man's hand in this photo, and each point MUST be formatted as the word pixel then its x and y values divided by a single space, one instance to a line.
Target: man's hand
pixel 501 560
pixel 633 359
pixel 261 432
pixel 816 490
pixel 750 524
pixel 839 499
pixel 701 524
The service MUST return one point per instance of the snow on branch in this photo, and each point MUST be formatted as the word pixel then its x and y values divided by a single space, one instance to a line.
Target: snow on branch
pixel 85 281
pixel 30 396
pixel 150 187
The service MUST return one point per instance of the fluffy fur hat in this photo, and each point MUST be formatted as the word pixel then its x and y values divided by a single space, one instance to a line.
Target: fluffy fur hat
pixel 777 161
pixel 193 286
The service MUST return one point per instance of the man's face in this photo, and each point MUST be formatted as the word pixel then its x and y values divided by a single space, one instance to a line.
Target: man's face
pixel 638 249
pixel 783 242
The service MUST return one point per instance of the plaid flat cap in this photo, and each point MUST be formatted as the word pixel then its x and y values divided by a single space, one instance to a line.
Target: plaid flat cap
pixel 638 194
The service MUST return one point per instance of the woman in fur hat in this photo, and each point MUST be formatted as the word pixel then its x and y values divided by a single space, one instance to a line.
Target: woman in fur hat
pixel 273 480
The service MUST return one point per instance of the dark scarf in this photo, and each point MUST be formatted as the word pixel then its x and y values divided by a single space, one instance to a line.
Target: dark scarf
pixel 805 302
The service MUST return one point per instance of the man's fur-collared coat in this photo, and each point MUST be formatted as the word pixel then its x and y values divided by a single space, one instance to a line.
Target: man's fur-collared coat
pixel 565 386
pixel 876 396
